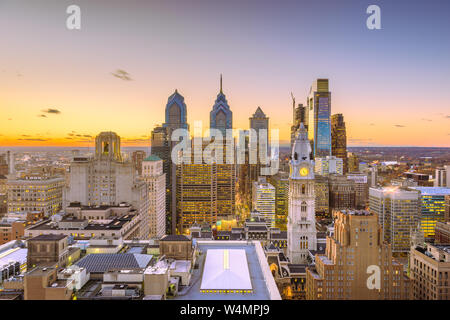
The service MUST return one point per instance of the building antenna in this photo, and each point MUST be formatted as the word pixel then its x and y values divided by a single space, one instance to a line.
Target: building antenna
pixel 220 83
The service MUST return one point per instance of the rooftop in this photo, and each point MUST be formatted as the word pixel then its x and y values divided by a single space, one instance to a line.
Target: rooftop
pixel 152 158
pixel 175 237
pixel 433 191
pixel 48 237
pixel 103 262
pixel 259 286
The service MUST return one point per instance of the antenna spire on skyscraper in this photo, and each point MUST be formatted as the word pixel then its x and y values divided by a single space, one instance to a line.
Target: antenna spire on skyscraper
pixel 221 83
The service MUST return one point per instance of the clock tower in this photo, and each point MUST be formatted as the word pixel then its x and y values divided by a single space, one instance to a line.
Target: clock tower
pixel 301 226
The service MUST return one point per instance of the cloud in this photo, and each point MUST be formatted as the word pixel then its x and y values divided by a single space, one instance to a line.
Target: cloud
pixel 87 136
pixel 42 116
pixel 9 118
pixel 448 117
pixel 399 126
pixel 429 120
pixel 25 135
pixel 50 110
pixel 122 74
pixel 33 139
pixel 371 124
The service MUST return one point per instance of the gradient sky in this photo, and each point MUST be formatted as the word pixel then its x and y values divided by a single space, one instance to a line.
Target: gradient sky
pixel 392 85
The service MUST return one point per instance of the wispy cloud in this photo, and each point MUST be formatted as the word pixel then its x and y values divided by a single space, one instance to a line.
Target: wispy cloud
pixel 122 74
pixel 33 139
pixel 399 126
pixel 429 120
pixel 42 116
pixel 51 111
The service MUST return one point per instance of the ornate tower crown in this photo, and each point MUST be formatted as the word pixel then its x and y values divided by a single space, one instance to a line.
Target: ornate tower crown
pixel 301 148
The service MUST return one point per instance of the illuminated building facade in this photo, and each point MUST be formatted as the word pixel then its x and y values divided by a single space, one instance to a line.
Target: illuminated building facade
pixel 263 198
pixel 327 165
pixel 353 162
pixel 339 139
pixel 442 177
pixel 35 193
pixel 319 118
pixel 398 212
pixel 322 196
pixel 341 273
pixel 281 183
pixel 432 208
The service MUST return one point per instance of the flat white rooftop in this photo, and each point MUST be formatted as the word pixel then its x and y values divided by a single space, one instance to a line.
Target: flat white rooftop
pixel 226 269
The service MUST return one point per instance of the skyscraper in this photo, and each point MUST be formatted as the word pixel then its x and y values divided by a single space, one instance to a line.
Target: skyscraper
pixel 162 144
pixel 442 177
pixel 398 211
pixel 339 139
pixel 221 116
pixel 160 147
pixel 299 115
pixel 343 271
pixel 432 208
pixel 319 122
pixel 152 173
pixel 301 227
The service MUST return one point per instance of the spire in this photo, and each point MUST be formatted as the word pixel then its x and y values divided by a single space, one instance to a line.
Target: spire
pixel 221 83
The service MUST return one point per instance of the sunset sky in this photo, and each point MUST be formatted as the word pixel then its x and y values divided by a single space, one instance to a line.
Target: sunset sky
pixel 57 86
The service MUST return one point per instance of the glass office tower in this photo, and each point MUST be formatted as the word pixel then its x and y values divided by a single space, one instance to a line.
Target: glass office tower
pixel 319 122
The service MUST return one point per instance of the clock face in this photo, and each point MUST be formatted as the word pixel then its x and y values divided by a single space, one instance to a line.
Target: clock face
pixel 304 171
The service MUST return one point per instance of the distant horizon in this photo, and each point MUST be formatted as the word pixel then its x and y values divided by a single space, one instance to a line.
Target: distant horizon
pixel 61 87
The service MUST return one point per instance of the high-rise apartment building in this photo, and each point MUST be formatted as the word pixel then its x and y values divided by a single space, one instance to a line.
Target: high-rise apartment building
pixel 263 199
pixel 107 179
pixel 35 193
pixel 430 272
pixel 398 211
pixel 328 165
pixel 354 253
pixel 301 226
pixel 319 118
pixel 432 208
pixel 339 139
pixel 152 173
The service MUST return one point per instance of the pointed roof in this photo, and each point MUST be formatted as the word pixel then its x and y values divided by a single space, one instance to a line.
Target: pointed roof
pixel 259 113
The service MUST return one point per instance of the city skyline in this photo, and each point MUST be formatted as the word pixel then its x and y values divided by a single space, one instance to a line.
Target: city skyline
pixel 63 95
